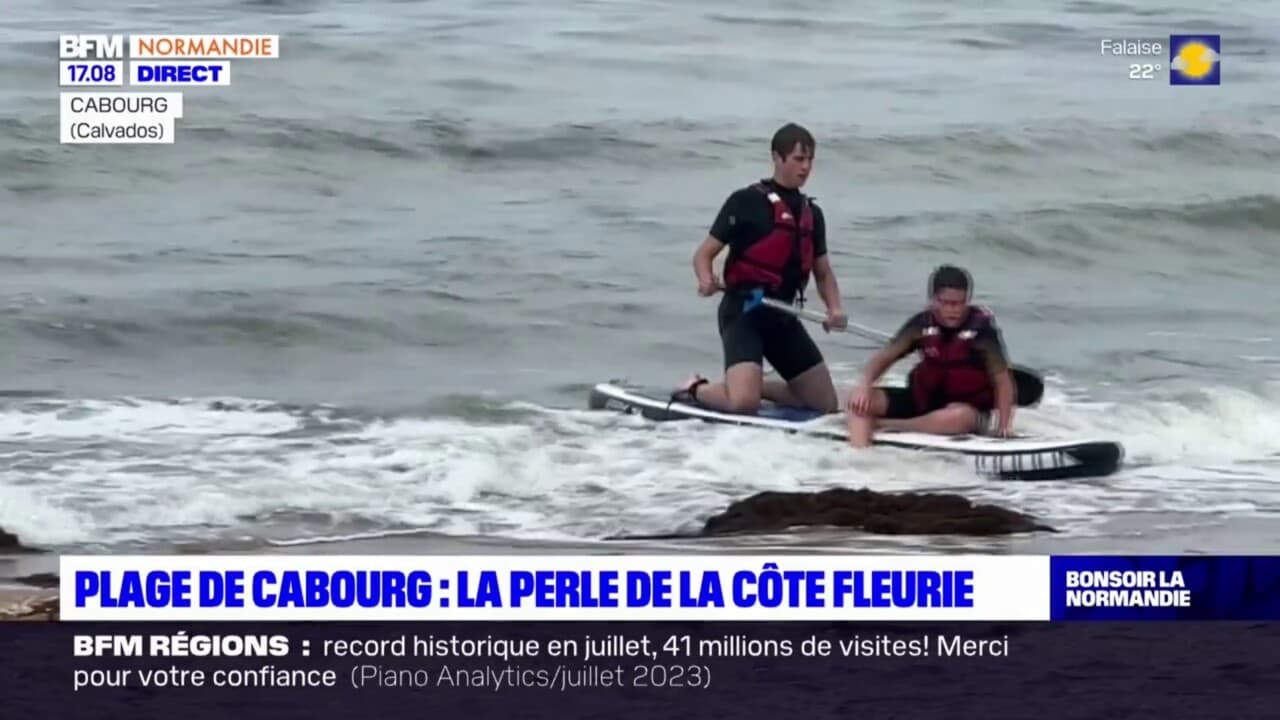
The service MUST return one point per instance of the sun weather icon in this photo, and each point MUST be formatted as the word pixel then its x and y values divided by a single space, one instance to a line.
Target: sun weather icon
pixel 1195 60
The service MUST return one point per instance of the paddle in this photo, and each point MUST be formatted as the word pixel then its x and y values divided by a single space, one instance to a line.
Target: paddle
pixel 1030 386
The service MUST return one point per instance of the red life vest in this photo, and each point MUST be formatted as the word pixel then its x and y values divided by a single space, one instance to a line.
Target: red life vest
pixel 765 263
pixel 952 370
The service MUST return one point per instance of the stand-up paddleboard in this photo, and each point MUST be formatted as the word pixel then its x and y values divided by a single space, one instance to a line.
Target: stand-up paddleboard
pixel 1019 458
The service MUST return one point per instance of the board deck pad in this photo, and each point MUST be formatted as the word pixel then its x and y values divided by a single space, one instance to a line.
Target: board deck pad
pixel 1019 458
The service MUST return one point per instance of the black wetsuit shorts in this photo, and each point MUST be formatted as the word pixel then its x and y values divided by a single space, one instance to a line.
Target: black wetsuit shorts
pixel 765 334
pixel 902 406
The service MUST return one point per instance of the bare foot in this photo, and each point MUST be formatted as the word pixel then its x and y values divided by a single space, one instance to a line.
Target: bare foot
pixel 685 390
pixel 859 431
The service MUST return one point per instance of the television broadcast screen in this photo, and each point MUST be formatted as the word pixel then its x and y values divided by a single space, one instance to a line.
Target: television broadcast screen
pixel 631 359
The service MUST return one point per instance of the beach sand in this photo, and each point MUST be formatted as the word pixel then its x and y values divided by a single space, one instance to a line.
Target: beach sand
pixel 27 604
pixel 25 579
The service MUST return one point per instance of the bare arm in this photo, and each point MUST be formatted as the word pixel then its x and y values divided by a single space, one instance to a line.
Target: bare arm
pixel 724 228
pixel 702 260
pixel 997 364
pixel 1005 391
pixel 828 288
pixel 878 365
pixel 902 344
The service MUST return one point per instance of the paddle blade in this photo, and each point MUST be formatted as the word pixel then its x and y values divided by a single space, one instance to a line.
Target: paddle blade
pixel 1030 387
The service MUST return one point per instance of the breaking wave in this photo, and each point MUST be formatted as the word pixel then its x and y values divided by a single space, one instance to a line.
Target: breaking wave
pixel 78 472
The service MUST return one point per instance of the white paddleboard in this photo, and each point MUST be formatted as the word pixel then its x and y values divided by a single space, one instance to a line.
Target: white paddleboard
pixel 1020 458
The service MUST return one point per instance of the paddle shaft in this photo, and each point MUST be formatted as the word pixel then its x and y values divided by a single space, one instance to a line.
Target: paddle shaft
pixel 818 317
pixel 1030 388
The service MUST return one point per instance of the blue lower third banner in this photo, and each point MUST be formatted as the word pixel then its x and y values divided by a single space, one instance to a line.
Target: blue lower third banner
pixel 1160 587
pixel 668 588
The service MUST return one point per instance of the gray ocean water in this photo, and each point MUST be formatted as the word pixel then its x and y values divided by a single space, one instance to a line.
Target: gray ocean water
pixel 368 287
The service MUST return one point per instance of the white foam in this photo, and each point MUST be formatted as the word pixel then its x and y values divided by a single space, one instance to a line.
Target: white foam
pixel 38 520
pixel 132 470
pixel 1219 425
pixel 142 421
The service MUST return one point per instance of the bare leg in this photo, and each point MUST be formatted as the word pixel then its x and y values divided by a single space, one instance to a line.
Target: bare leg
pixel 814 389
pixel 861 424
pixel 859 430
pixel 739 392
pixel 954 419
pixel 778 391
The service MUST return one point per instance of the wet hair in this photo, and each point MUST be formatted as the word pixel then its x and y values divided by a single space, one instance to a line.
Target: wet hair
pixel 790 135
pixel 950 277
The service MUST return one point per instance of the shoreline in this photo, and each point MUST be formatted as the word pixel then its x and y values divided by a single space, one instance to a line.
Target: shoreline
pixel 18 604
pixel 26 595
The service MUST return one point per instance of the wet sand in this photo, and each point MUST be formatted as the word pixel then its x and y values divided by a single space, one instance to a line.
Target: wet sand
pixel 30 604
